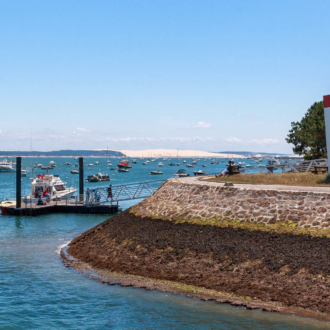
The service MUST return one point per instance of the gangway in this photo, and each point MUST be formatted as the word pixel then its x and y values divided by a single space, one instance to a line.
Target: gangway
pixel 123 192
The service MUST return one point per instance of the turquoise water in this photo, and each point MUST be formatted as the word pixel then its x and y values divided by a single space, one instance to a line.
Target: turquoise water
pixel 38 292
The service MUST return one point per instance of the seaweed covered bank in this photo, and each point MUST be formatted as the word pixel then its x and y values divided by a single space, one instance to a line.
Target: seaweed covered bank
pixel 225 239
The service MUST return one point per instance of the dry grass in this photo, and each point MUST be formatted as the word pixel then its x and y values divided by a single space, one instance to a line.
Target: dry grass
pixel 293 179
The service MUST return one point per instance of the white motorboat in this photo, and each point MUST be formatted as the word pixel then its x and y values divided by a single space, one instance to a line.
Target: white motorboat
pixel 190 165
pixel 90 165
pixel 199 172
pixel 23 173
pixel 156 172
pixel 67 163
pixel 48 184
pixel 74 172
pixel 160 164
pixel 7 166
pixel 180 174
pixel 145 163
pixel 97 163
pixel 134 161
pixel 52 164
pixel 204 165
pixel 184 161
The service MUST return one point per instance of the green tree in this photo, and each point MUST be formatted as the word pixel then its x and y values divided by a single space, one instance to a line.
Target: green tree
pixel 308 135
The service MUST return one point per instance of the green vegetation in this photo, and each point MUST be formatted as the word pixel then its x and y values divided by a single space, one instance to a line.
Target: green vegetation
pixel 308 135
pixel 291 179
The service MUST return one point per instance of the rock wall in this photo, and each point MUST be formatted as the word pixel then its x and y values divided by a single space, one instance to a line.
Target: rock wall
pixel 178 199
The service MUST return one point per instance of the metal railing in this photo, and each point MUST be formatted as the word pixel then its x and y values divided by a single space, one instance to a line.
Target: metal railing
pixel 122 192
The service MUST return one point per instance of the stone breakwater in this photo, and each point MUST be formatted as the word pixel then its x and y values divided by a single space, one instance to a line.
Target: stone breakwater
pixel 191 199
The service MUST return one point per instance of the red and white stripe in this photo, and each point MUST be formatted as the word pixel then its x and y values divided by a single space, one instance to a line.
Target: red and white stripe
pixel 326 104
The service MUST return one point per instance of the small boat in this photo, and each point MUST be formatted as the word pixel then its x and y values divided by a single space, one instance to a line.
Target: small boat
pixel 145 163
pixel 47 168
pixel 76 164
pixel 123 170
pixel 181 173
pixel 52 164
pixel 184 161
pixel 160 164
pixel 7 166
pixel 177 164
pixel 124 164
pixel 67 163
pixel 134 161
pixel 190 165
pixel 74 172
pixel 204 165
pixel 171 164
pixel 97 163
pixel 90 165
pixel 199 172
pixel 98 178
pixel 212 162
pixel 23 173
pixel 156 172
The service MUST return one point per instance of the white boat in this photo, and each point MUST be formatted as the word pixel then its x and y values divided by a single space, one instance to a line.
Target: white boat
pixel 67 163
pixel 204 165
pixel 76 164
pixel 74 172
pixel 190 165
pixel 50 184
pixel 52 164
pixel 199 172
pixel 160 164
pixel 97 163
pixel 90 165
pixel 156 172
pixel 184 161
pixel 145 163
pixel 181 173
pixel 23 173
pixel 7 166
pixel 134 161
pixel 123 170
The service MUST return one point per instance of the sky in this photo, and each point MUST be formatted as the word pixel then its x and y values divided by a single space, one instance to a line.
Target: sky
pixel 199 75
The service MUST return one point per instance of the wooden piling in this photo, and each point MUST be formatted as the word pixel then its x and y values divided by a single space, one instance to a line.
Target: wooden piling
pixel 81 179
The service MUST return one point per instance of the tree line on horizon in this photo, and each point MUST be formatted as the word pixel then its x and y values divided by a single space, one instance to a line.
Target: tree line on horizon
pixel 308 135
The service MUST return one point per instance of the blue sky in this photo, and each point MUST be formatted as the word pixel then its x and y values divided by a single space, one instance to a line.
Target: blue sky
pixel 203 75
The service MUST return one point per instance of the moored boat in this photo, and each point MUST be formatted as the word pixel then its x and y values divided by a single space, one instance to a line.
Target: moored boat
pixel 124 164
pixel 181 173
pixel 156 172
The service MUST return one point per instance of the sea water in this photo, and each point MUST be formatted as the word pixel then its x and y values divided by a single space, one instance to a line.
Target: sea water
pixel 38 292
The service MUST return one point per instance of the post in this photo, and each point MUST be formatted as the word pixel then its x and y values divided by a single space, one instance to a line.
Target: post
pixel 18 182
pixel 81 179
pixel 326 105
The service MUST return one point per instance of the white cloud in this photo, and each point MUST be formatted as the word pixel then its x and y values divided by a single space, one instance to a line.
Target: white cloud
pixel 233 139
pixel 200 124
pixel 83 130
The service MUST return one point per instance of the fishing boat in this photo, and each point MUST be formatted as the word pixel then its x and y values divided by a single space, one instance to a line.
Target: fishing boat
pixel 156 172
pixel 160 164
pixel 51 184
pixel 74 172
pixel 124 164
pixel 181 173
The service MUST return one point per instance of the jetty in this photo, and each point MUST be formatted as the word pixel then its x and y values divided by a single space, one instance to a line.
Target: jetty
pixel 92 201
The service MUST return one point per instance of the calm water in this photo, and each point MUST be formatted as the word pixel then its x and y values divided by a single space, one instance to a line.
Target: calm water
pixel 37 291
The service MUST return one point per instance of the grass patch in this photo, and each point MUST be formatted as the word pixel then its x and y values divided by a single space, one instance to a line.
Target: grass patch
pixel 290 179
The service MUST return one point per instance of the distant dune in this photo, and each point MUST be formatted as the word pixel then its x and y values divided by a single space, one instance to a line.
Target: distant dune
pixel 173 153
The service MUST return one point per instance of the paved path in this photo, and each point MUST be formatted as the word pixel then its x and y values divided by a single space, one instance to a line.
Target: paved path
pixel 201 181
